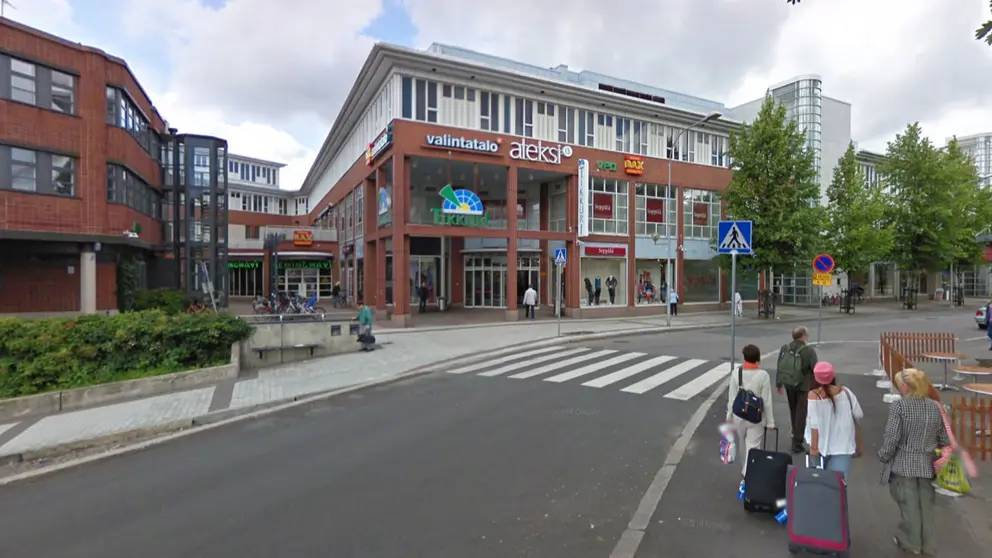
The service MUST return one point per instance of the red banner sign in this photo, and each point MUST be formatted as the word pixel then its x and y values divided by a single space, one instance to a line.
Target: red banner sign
pixel 602 206
pixel 605 251
pixel 700 213
pixel 656 210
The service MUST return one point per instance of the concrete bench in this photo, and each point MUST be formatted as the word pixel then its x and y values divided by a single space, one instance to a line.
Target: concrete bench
pixel 304 346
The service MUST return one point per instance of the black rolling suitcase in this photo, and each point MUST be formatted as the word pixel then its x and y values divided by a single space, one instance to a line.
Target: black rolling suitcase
pixel 765 480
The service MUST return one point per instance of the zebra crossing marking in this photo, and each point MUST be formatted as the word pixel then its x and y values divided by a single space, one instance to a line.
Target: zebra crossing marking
pixel 594 367
pixel 691 389
pixel 625 373
pixel 505 359
pixel 662 377
pixel 531 361
pixel 555 366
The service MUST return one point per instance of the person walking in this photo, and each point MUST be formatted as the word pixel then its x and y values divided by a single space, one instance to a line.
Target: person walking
pixel 530 300
pixel 365 326
pixel 422 294
pixel 752 378
pixel 795 372
pixel 673 302
pixel 832 427
pixel 738 304
pixel 913 432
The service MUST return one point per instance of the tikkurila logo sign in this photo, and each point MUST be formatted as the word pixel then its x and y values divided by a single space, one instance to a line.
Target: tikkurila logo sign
pixel 539 152
pixel 447 141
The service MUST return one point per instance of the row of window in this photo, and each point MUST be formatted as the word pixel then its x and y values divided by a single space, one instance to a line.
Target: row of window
pixel 41 86
pixel 40 172
pixel 127 188
pixel 253 173
pixel 435 102
pixel 124 113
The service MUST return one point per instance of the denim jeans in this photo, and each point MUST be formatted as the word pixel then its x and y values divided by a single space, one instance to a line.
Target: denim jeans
pixel 840 464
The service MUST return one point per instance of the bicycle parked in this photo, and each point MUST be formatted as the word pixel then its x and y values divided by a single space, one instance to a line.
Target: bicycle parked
pixel 282 303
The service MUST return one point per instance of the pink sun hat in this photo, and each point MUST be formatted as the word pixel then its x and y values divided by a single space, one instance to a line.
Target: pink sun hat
pixel 823 372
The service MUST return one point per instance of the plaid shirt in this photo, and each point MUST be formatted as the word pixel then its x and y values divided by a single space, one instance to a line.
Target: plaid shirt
pixel 913 433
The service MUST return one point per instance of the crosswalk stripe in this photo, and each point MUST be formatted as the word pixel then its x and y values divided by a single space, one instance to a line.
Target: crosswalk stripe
pixel 594 367
pixel 556 365
pixel 624 373
pixel 474 367
pixel 662 377
pixel 691 389
pixel 531 361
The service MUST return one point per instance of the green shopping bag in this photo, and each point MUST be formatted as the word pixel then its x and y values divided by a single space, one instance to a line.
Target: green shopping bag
pixel 953 477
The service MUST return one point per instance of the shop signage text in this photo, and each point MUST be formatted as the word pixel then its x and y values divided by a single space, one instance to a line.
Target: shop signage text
pixel 634 165
pixel 539 152
pixel 602 206
pixel 605 251
pixel 655 210
pixel 379 144
pixel 448 141
pixel 282 264
pixel 460 208
pixel 583 217
pixel 302 238
pixel 255 264
pixel 606 166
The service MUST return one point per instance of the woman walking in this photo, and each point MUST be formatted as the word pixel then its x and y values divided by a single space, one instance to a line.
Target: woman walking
pixel 913 433
pixel 832 421
pixel 753 379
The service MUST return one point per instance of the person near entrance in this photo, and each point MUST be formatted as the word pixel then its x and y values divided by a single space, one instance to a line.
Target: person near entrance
pixel 365 327
pixel 673 302
pixel 611 288
pixel 423 293
pixel 530 300
pixel 796 361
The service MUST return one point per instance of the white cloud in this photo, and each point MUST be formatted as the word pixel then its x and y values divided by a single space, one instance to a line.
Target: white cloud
pixel 53 16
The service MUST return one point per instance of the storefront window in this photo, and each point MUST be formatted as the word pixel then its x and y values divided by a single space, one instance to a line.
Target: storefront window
pixel 701 213
pixel 655 210
pixel 485 281
pixel 604 276
pixel 608 206
pixel 651 284
pixel 245 278
pixel 557 213
pixel 702 281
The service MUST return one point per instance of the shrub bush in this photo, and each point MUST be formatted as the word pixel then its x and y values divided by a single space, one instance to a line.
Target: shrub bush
pixel 64 353
pixel 171 301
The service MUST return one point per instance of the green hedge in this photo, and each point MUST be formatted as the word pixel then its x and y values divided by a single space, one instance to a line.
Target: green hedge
pixel 63 353
pixel 168 300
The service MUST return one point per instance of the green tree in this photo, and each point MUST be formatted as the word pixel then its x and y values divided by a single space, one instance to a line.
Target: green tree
pixel 775 187
pixel 856 235
pixel 970 204
pixel 984 33
pixel 919 209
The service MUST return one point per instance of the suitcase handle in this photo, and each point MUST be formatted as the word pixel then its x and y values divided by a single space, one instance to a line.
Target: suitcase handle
pixel 764 439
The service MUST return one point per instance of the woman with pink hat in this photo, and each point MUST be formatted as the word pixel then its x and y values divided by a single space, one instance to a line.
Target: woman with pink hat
pixel 832 425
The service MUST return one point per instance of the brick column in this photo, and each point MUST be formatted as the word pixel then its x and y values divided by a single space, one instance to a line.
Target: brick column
pixel 401 252
pixel 511 243
pixel 631 286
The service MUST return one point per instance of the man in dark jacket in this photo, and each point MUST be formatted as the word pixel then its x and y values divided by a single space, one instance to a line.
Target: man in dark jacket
pixel 795 372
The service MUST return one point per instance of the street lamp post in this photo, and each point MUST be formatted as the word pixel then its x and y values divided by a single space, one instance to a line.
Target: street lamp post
pixel 670 274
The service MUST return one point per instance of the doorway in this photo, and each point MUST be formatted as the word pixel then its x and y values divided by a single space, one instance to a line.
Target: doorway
pixel 528 275
pixel 423 269
pixel 485 281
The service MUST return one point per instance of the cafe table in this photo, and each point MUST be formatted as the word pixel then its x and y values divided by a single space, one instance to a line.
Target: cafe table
pixel 946 359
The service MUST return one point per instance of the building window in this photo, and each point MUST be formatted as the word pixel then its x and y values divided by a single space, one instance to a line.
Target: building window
pixel 63 92
pixel 63 175
pixel 524 118
pixel 407 97
pixel 128 189
pixel 701 213
pixel 489 111
pixel 253 232
pixel 124 113
pixel 655 210
pixel 24 170
pixel 623 135
pixel 608 206
pixel 566 125
pixel 587 128
pixel 283 206
pixel 23 81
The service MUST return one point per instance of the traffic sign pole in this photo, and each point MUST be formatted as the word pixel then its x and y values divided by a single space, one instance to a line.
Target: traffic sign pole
pixel 558 297
pixel 819 318
pixel 733 307
pixel 823 264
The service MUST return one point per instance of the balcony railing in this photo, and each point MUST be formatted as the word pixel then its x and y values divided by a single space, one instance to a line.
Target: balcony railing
pixel 237 243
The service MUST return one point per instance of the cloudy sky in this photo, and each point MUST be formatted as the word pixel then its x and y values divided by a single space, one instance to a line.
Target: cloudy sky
pixel 270 75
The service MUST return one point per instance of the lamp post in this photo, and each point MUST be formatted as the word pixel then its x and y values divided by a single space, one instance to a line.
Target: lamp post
pixel 669 275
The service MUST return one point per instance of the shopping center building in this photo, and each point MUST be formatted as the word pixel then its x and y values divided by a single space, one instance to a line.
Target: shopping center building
pixel 460 175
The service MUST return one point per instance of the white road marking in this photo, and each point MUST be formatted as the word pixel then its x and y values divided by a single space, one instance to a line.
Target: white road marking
pixel 625 373
pixel 696 386
pixel 594 367
pixel 531 361
pixel 478 365
pixel 562 364
pixel 660 378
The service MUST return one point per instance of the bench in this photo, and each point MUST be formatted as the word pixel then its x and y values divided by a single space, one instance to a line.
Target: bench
pixel 262 350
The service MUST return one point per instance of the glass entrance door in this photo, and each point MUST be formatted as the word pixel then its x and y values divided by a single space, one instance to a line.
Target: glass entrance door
pixel 485 281
pixel 423 269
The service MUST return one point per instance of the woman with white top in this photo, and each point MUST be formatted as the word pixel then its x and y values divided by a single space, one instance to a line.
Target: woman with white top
pixel 832 422
pixel 755 380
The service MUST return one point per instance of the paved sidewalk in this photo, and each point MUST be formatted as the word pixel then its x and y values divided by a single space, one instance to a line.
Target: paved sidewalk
pixel 401 351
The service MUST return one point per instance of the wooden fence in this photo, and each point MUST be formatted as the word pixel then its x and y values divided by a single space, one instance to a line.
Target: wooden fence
pixel 912 346
pixel 971 420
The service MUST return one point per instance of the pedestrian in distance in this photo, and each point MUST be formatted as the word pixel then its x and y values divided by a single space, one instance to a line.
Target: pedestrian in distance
pixel 530 300
pixel 673 301
pixel 365 326
pixel 750 381
pixel 796 360
pixel 832 428
pixel 913 432
pixel 738 304
pixel 422 294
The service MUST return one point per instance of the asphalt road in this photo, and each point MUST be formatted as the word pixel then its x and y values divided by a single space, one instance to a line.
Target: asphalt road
pixel 442 466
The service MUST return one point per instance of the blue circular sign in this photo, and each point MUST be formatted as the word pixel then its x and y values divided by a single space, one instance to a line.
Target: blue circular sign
pixel 824 263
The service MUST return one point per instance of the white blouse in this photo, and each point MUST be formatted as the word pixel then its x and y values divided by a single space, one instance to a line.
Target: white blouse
pixel 835 423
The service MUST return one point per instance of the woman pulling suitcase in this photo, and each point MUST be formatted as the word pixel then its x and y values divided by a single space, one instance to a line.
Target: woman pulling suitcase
pixel 832 422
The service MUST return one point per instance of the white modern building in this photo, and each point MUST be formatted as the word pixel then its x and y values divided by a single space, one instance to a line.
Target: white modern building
pixel 979 146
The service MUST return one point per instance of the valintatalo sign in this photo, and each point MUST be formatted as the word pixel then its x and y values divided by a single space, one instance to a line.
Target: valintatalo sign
pixel 461 143
pixel 460 208
pixel 539 152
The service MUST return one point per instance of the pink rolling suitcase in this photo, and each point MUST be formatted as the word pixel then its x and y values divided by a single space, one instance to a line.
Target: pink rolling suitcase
pixel 817 508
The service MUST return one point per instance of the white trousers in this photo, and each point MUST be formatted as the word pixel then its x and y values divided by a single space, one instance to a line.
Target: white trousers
pixel 749 436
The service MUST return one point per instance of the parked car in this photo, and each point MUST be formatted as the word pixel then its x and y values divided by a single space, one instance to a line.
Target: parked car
pixel 982 317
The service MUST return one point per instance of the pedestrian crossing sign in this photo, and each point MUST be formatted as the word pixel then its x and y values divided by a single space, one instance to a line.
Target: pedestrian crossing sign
pixel 734 236
pixel 559 256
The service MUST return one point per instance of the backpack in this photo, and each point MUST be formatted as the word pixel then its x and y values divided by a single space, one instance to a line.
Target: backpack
pixel 747 405
pixel 790 367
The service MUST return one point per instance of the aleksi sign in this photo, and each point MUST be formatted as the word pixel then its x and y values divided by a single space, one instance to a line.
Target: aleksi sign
pixel 460 207
pixel 448 141
pixel 380 144
pixel 539 152
pixel 606 166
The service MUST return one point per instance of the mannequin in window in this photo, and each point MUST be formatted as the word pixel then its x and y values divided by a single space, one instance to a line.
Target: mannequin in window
pixel 611 288
pixel 589 290
pixel 598 287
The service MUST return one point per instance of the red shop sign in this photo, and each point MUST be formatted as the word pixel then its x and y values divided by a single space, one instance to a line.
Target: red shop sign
pixel 700 213
pixel 602 206
pixel 656 210
pixel 605 251
pixel 988 252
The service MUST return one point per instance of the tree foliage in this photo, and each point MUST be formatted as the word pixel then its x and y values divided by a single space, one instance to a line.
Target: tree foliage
pixel 775 187
pixel 984 32
pixel 970 205
pixel 855 232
